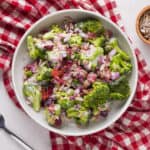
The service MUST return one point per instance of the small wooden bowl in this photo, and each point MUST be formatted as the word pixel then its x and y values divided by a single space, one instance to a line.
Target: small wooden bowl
pixel 145 9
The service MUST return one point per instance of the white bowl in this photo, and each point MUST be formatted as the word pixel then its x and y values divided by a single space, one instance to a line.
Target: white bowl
pixel 21 58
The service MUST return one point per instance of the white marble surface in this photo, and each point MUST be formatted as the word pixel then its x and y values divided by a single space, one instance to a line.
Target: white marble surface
pixel 31 132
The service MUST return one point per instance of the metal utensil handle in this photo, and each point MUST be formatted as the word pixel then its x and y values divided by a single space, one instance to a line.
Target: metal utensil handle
pixel 18 139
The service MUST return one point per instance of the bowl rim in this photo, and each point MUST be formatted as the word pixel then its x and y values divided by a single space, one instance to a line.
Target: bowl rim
pixel 56 130
pixel 141 13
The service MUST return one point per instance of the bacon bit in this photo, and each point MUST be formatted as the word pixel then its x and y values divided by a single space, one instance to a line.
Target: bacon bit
pixel 60 81
pixel 56 73
pixel 83 35
pixel 91 35
pixel 91 77
pixel 67 37
pixel 51 108
pixel 46 92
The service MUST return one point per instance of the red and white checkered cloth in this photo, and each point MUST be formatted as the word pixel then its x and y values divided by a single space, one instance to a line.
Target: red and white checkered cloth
pixel 132 130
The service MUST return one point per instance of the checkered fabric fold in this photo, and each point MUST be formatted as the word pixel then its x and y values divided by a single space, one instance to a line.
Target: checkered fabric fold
pixel 132 130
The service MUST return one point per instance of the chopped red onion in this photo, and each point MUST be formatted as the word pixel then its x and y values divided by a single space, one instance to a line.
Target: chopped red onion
pixel 49 101
pixel 82 34
pixel 72 97
pixel 32 67
pixel 112 53
pixel 44 45
pixel 102 59
pixel 115 75
pixel 77 30
pixel 77 91
pixel 67 37
pixel 105 73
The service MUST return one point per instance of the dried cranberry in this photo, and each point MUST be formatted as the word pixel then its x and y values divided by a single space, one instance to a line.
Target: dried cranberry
pixel 44 31
pixel 104 113
pixel 108 34
pixel 49 47
pixel 58 122
pixel 32 67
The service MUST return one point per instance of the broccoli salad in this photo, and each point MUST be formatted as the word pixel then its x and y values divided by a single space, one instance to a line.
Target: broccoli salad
pixel 77 70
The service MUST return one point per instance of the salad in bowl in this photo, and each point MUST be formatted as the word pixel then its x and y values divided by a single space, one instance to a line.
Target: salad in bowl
pixel 78 69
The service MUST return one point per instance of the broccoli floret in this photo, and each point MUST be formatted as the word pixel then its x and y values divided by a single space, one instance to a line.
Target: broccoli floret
pixel 119 65
pixel 64 100
pixel 98 52
pixel 121 61
pixel 34 52
pixel 44 73
pixel 91 25
pixel 80 115
pixel 75 83
pixel 120 90
pixel 98 95
pixel 51 34
pixel 123 54
pixel 65 103
pixel 53 56
pixel 76 56
pixel 107 47
pixel 116 96
pixel 98 42
pixel 75 40
pixel 126 66
pixel 33 93
pixel 92 59
pixel 72 112
pixel 28 73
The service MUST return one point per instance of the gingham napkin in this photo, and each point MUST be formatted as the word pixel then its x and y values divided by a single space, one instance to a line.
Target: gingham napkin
pixel 132 130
